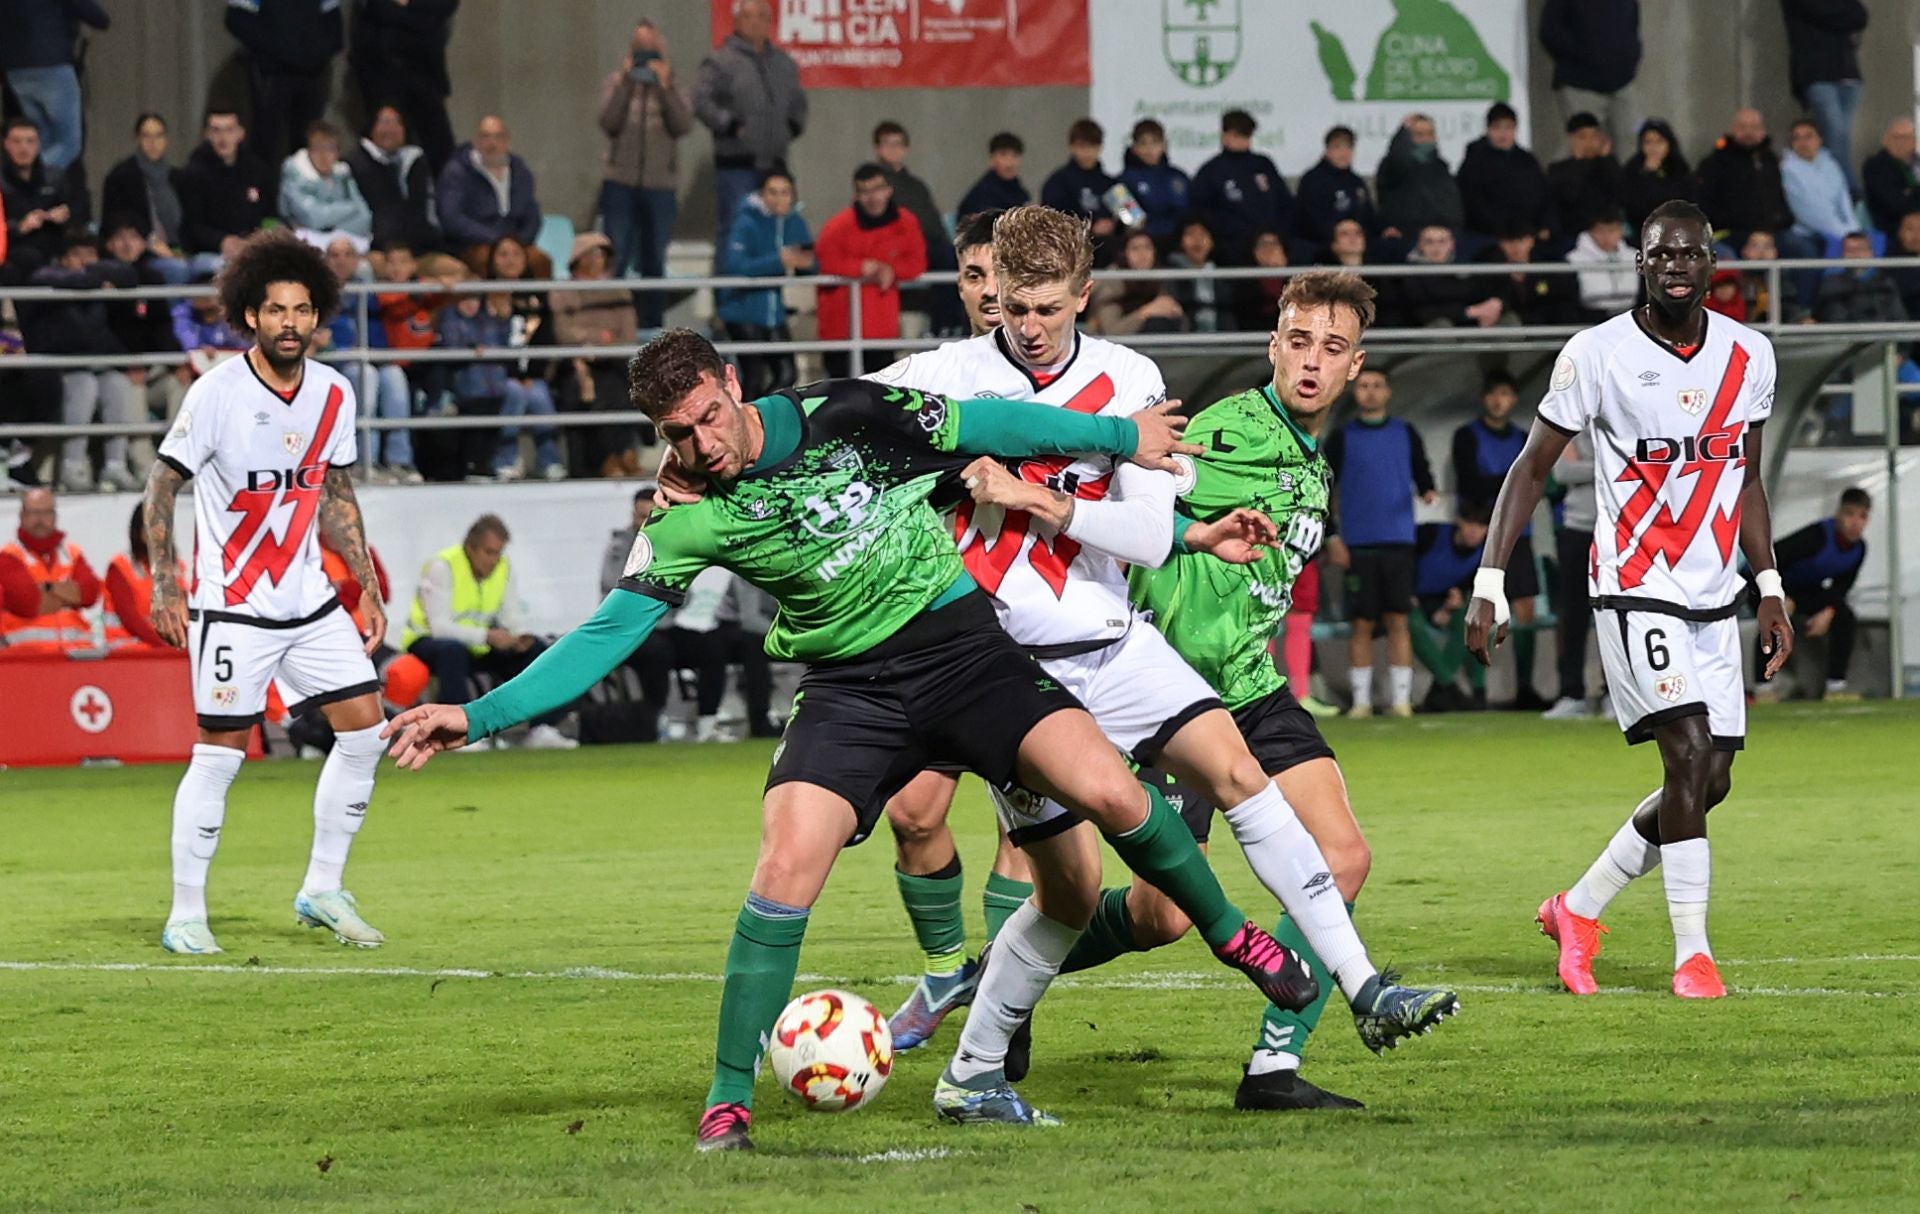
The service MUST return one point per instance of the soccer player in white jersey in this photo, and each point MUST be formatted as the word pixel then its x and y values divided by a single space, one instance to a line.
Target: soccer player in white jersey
pixel 1676 400
pixel 268 441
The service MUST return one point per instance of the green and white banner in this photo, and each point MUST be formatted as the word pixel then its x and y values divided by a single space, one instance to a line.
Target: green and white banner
pixel 1300 67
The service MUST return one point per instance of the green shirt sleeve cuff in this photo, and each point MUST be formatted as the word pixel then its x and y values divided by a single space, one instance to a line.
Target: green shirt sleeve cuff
pixel 570 666
pixel 1180 524
pixel 1021 428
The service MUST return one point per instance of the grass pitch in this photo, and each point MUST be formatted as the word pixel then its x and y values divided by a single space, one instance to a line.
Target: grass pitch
pixel 538 1034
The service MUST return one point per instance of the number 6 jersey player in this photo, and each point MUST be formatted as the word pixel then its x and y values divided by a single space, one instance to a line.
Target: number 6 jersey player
pixel 1676 400
pixel 268 441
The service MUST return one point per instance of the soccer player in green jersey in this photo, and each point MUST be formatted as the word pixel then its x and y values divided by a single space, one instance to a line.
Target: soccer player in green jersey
pixel 820 498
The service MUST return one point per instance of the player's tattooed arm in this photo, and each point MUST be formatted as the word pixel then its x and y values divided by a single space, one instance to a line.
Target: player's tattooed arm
pixel 346 533
pixel 169 609
pixel 1756 543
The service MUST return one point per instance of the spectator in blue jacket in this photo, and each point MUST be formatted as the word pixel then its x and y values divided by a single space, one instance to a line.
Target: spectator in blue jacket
pixel 769 238
pixel 1823 66
pixel 1816 186
pixel 317 190
pixel 1331 191
pixel 1159 188
pixel 1000 187
pixel 1818 565
pixel 486 192
pixel 1241 192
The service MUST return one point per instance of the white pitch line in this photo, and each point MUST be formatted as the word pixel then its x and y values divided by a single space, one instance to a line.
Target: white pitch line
pixel 1164 981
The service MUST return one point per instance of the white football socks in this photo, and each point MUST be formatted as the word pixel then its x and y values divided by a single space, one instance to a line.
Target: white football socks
pixel 1360 681
pixel 1688 867
pixel 1628 856
pixel 1289 863
pixel 199 810
pixel 340 805
pixel 1027 954
pixel 1400 685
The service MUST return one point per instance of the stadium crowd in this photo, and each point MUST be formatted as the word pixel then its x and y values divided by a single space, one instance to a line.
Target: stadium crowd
pixel 403 203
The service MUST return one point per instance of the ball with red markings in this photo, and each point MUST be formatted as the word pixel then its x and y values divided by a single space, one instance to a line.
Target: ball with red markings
pixel 831 1051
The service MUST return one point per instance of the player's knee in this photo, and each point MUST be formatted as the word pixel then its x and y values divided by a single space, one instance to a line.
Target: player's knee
pixel 1719 787
pixel 1246 778
pixel 913 824
pixel 1114 801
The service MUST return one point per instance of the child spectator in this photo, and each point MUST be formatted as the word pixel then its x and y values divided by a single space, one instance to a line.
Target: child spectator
pixel 1613 283
pixel 487 386
pixel 1159 187
pixel 529 325
pixel 1205 300
pixel 384 391
pixel 1258 306
pixel 408 320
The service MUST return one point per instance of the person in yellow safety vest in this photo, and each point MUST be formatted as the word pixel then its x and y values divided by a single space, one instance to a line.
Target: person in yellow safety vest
pixel 64 581
pixel 468 617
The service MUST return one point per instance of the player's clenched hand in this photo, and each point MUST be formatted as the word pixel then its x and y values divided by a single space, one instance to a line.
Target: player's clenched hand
pixel 1776 634
pixel 420 733
pixel 991 484
pixel 1236 537
pixel 1484 635
pixel 1159 437
pixel 674 485
pixel 169 612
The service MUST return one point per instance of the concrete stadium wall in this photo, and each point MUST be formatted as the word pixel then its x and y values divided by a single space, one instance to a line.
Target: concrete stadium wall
pixel 539 62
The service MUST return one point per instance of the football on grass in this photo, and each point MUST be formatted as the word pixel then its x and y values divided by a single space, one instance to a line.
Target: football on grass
pixel 831 1051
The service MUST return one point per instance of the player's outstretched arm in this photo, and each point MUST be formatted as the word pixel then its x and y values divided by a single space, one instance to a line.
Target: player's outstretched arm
pixel 156 513
pixel 346 533
pixel 1756 542
pixel 1014 428
pixel 1519 494
pixel 566 671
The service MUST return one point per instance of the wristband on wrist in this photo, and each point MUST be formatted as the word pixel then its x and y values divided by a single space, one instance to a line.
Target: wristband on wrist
pixel 1768 580
pixel 1489 583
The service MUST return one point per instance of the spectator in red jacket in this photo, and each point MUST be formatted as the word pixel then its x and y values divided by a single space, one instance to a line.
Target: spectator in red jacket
pixel 44 582
pixel 881 245
pixel 129 608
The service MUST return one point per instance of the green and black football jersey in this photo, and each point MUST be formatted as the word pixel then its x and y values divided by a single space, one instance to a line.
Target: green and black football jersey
pixel 1219 617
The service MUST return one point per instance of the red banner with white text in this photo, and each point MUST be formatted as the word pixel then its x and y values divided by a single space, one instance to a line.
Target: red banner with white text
pixel 913 44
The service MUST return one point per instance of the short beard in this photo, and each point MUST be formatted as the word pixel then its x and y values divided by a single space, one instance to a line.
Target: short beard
pixel 284 366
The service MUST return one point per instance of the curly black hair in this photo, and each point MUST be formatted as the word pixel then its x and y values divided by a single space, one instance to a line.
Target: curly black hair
pixel 272 257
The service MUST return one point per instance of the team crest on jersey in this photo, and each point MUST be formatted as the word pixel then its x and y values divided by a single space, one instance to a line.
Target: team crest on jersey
pixel 1671 688
pixel 639 556
pixel 293 440
pixel 759 509
pixel 1693 399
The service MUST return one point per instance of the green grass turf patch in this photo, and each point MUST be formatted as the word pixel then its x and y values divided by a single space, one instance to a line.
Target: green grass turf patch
pixel 543 1036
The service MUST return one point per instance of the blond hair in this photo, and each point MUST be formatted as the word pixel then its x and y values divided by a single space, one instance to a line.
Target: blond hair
pixel 1330 289
pixel 1034 245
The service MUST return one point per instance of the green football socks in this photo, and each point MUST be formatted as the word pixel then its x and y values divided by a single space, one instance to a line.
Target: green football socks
pixel 1108 935
pixel 1001 898
pixel 1162 850
pixel 761 962
pixel 1286 1032
pixel 933 906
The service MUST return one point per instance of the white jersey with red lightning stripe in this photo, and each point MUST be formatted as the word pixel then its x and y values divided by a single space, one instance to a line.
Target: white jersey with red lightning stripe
pixel 1047 588
pixel 1670 430
pixel 258 463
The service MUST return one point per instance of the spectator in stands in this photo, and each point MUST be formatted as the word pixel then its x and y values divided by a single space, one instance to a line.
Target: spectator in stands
pixel 1573 547
pixel 1502 187
pixel 1823 64
pixel 1755 301
pixel 1595 48
pixel 146 188
pixel 1439 300
pixel 597 316
pixel 1586 183
pixel 1079 187
pixel 1121 308
pixel 1740 187
pixel 1445 558
pixel 1613 283
pixel 936 297
pixel 722 622
pixel 1818 565
pixel 1526 297
pixel 39 206
pixel 48 584
pixel 468 617
pixel 318 196
pixel 290 46
pixel 1379 466
pixel 226 191
pixel 1858 296
pixel 1159 187
pixel 200 328
pixel 999 188
pixel 1331 191
pixel 487 192
pixel 1816 187
pixel 408 321
pixel 484 387
pixel 653 664
pixel 1208 302
pixel 1257 302
pixel 1483 450
pixel 1415 186
pixel 876 242
pixel 125 615
pixel 38 55
pixel 769 238
pixel 1891 176
pixel 1348 247
pixel 529 327
pixel 1726 295
pixel 399 58
pixel 384 391
pixel 141 326
pixel 1906 243
pixel 394 178
pixel 749 96
pixel 82 327
pixel 1240 191
pixel 644 116
pixel 1654 174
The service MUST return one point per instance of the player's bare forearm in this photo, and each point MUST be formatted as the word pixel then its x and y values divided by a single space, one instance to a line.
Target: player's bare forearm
pixel 1521 492
pixel 346 531
pixel 156 515
pixel 1756 513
